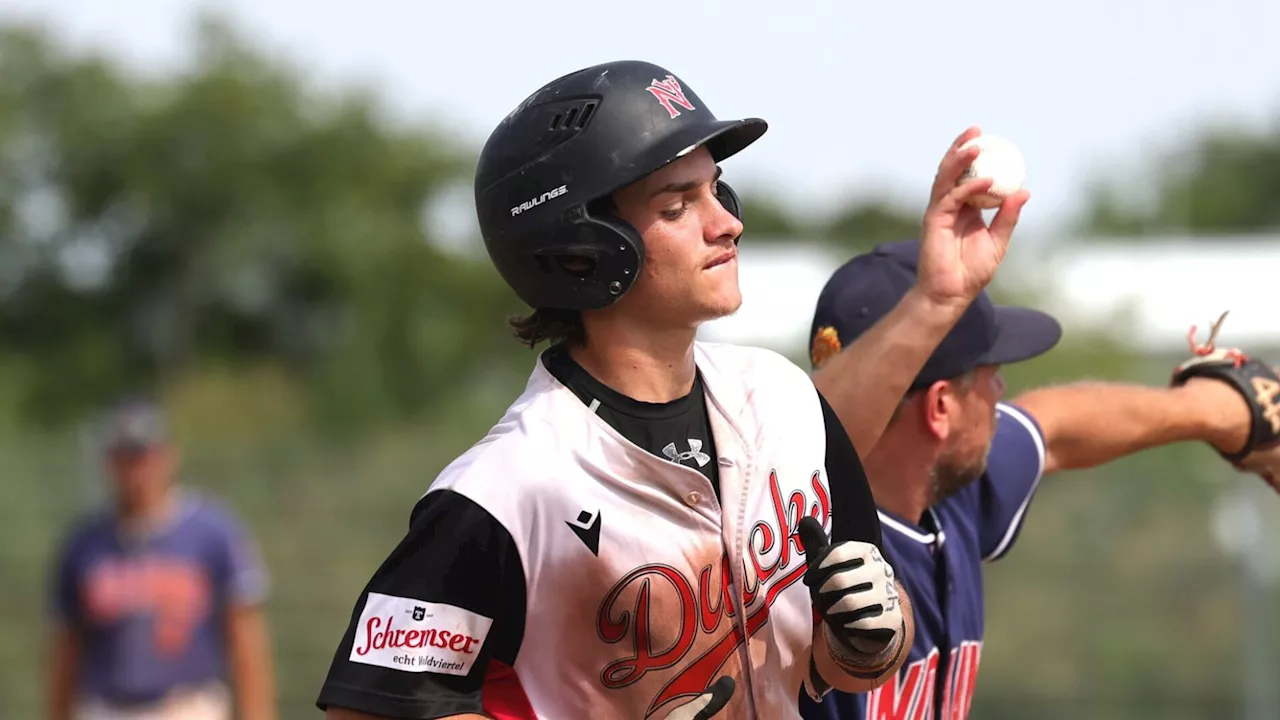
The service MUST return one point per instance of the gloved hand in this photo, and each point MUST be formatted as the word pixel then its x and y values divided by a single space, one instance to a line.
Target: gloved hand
pixel 853 588
pixel 707 704
pixel 1259 384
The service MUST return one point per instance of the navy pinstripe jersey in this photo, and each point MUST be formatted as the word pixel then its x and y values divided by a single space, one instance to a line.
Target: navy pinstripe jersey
pixel 939 561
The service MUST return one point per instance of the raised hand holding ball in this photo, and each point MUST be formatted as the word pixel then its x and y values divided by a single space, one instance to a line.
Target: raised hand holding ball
pixel 999 160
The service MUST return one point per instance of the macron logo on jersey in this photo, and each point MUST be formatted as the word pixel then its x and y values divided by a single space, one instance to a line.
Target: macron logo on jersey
pixel 414 636
pixel 587 528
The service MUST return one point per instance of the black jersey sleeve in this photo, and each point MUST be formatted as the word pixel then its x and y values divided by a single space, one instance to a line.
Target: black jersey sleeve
pixel 853 509
pixel 445 609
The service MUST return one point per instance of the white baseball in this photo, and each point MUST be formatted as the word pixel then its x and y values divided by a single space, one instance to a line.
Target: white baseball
pixel 999 160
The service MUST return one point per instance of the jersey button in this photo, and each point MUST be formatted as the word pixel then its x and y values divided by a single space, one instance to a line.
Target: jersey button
pixel 693 498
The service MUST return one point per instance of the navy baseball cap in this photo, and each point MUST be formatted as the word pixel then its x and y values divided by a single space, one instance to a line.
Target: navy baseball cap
pixel 135 424
pixel 866 288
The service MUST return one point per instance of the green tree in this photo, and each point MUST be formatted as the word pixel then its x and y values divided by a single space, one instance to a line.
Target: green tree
pixel 855 226
pixel 1226 180
pixel 252 248
pixel 228 215
pixel 864 224
pixel 765 218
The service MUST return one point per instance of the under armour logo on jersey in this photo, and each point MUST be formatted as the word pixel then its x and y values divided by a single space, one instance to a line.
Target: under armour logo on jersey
pixel 694 453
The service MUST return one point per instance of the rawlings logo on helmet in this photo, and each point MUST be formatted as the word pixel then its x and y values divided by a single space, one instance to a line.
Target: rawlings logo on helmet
pixel 535 202
pixel 670 94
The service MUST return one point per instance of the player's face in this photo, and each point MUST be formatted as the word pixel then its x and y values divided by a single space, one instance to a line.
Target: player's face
pixel 690 270
pixel 141 475
pixel 964 458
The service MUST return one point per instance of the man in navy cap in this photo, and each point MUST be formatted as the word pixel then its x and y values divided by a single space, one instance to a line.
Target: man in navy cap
pixel 156 597
pixel 956 468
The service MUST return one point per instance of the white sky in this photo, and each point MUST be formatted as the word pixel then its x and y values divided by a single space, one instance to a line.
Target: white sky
pixel 860 96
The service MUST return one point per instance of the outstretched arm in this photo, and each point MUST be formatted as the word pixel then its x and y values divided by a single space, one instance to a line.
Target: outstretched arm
pixel 64 661
pixel 249 654
pixel 1090 423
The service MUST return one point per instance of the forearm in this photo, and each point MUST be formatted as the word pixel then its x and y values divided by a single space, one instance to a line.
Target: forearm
pixel 63 660
pixel 60 700
pixel 1090 423
pixel 852 672
pixel 251 671
pixel 865 381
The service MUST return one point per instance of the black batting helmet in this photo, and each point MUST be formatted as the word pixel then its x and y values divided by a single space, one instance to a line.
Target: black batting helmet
pixel 571 143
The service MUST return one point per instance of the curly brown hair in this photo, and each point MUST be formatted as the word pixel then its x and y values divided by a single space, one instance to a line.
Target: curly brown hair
pixel 554 326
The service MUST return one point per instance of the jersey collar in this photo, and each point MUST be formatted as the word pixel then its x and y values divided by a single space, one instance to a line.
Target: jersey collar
pixel 913 531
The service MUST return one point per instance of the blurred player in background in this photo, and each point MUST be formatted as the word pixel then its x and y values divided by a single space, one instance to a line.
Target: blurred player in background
pixel 957 467
pixel 156 599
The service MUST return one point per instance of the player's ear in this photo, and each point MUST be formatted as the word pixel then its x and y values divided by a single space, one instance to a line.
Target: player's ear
pixel 941 406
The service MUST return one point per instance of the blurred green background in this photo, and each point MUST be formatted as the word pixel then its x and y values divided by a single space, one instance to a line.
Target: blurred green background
pixel 256 250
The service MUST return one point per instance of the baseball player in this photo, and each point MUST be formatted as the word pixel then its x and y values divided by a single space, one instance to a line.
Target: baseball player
pixel 957 467
pixel 156 600
pixel 651 529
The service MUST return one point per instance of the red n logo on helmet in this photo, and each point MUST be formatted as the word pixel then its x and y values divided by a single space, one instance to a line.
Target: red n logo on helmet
pixel 670 94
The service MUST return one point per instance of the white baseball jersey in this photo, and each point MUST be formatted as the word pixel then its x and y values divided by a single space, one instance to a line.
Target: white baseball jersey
pixel 556 570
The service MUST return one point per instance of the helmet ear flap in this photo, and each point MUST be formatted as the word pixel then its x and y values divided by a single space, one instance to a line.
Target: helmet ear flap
pixel 729 199
pixel 596 265
pixel 622 264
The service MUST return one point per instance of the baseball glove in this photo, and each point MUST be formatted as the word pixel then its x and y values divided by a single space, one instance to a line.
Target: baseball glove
pixel 1259 383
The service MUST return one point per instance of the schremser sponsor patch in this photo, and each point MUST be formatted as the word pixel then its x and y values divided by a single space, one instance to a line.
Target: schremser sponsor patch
pixel 414 636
